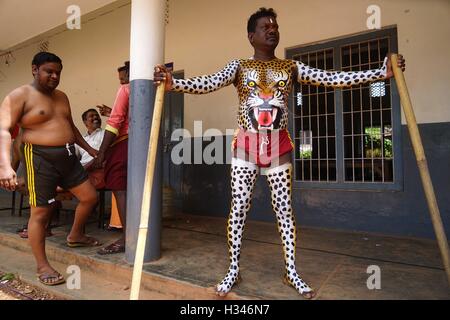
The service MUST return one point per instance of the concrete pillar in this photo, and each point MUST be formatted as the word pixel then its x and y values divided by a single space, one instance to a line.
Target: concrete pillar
pixel 146 50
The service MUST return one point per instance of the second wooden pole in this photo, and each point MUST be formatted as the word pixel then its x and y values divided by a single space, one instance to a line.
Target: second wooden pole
pixel 422 164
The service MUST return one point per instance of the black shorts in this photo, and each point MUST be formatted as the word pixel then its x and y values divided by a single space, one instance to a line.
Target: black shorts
pixel 49 167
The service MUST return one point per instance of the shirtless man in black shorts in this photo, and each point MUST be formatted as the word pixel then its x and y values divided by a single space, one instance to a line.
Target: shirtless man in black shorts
pixel 48 154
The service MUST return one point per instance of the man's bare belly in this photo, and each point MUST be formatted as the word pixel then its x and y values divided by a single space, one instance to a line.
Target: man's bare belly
pixel 44 137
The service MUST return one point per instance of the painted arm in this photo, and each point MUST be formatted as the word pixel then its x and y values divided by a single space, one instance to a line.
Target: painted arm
pixel 198 85
pixel 339 79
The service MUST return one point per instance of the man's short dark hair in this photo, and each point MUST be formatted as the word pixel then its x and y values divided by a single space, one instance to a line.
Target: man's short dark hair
pixel 125 67
pixel 84 115
pixel 261 13
pixel 44 57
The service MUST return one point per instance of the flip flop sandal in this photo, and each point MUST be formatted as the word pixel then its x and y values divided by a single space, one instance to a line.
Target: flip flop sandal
pixel 91 242
pixel 50 279
pixel 112 249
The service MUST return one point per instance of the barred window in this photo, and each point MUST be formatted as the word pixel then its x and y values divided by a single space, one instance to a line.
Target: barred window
pixel 367 116
pixel 349 136
pixel 314 124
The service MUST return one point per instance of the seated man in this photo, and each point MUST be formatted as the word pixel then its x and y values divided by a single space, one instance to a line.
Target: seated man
pixel 94 138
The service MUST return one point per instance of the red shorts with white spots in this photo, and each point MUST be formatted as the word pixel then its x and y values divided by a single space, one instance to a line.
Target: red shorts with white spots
pixel 263 147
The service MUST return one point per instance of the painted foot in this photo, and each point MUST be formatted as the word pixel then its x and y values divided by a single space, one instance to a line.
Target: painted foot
pixel 299 285
pixel 231 279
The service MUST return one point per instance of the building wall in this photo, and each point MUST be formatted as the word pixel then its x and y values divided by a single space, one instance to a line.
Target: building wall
pixel 202 36
pixel 219 35
pixel 33 12
pixel 90 59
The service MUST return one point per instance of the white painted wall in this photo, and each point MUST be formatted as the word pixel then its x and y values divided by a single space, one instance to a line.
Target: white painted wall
pixel 37 17
pixel 90 58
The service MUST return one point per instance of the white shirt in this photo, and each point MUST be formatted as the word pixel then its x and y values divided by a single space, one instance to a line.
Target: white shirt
pixel 95 141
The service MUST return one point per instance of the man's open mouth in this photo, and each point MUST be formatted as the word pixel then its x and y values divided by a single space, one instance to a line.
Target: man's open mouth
pixel 265 117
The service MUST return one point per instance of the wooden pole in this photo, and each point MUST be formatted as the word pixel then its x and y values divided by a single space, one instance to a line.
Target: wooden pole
pixel 422 164
pixel 147 192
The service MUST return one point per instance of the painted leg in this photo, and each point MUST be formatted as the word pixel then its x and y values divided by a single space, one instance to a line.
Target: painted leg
pixel 243 178
pixel 279 180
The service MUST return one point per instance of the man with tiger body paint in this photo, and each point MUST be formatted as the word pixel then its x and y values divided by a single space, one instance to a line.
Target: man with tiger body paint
pixel 262 144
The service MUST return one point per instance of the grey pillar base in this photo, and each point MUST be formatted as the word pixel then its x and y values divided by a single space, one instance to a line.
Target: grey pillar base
pixel 142 97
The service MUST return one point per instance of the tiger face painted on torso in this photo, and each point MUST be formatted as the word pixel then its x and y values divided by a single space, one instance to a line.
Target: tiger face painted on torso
pixel 263 89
